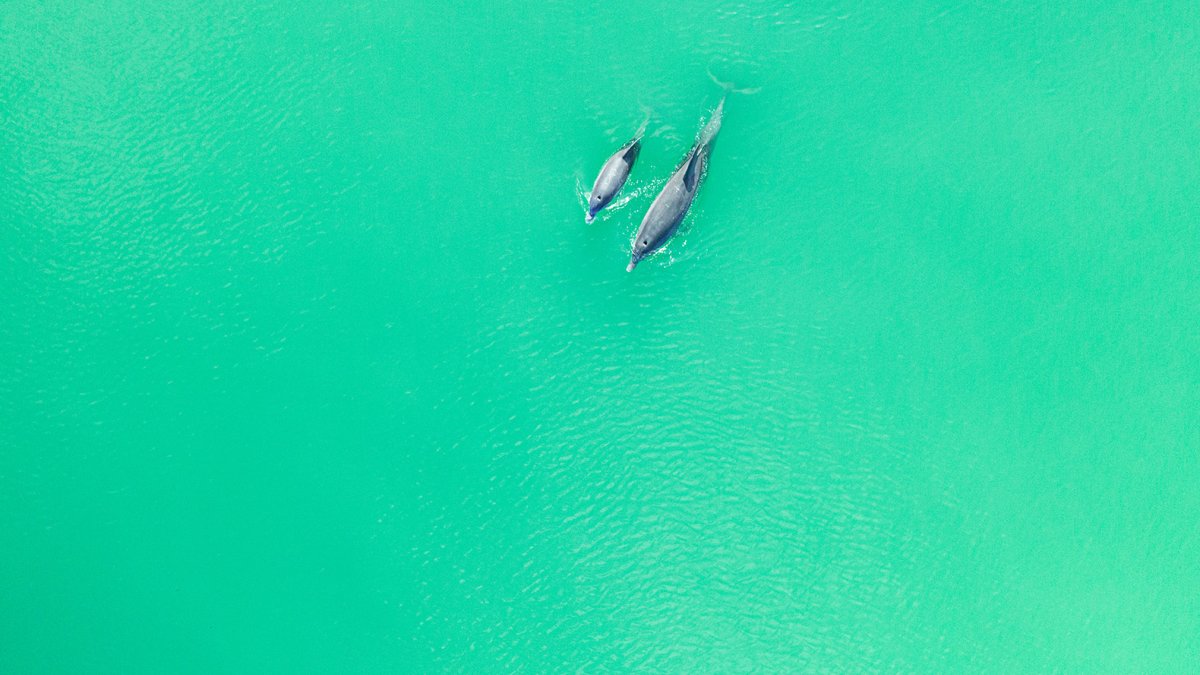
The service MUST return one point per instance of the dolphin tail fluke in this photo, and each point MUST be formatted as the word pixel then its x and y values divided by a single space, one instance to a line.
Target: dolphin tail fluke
pixel 729 86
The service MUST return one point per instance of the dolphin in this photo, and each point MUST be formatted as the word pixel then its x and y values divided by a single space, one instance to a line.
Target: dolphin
pixel 614 173
pixel 671 205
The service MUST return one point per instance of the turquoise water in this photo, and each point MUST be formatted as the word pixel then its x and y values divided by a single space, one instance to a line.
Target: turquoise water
pixel 309 362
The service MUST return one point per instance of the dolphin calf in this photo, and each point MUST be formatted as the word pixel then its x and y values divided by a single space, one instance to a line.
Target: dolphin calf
pixel 614 173
pixel 672 204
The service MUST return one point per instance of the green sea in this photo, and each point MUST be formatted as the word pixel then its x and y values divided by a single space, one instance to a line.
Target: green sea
pixel 309 362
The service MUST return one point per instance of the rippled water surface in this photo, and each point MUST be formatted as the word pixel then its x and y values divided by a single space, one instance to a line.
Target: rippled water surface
pixel 308 361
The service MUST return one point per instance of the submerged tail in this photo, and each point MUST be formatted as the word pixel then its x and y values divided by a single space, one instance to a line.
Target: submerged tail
pixel 637 136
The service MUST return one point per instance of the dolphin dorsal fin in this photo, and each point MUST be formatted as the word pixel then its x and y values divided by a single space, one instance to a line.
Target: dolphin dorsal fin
pixel 630 153
pixel 693 170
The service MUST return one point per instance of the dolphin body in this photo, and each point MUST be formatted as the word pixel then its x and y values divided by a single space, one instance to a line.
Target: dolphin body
pixel 672 204
pixel 613 175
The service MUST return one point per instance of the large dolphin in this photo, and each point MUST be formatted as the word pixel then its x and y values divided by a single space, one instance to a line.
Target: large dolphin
pixel 614 173
pixel 672 204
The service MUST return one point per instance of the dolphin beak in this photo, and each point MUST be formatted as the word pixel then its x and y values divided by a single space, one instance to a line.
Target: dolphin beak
pixel 632 264
pixel 589 217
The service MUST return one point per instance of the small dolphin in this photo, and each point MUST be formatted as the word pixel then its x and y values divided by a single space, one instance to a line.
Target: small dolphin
pixel 614 173
pixel 672 204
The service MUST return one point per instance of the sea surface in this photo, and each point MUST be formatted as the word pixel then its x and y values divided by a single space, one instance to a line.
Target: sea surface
pixel 309 363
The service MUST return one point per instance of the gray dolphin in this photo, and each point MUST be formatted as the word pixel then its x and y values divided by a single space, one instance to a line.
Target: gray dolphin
pixel 613 174
pixel 672 204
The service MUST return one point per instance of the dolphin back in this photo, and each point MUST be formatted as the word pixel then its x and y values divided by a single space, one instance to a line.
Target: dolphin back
pixel 667 211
